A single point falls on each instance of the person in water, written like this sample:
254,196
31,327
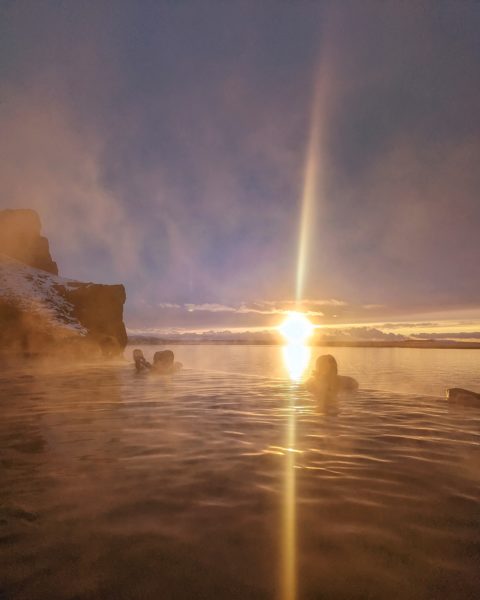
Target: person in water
325,380
141,363
163,362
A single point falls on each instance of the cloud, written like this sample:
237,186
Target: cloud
359,334
208,307
307,302
450,335
407,325
260,308
48,165
400,210
263,336
250,314
163,145
270,336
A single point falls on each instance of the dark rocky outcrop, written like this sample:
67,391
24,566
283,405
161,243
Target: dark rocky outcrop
20,238
463,397
42,314
99,309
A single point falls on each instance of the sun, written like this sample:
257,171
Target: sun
296,328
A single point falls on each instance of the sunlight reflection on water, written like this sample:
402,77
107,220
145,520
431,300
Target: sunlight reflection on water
289,517
297,358
229,481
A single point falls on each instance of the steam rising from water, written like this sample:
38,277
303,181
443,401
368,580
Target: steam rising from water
173,487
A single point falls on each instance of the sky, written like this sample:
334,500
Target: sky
170,146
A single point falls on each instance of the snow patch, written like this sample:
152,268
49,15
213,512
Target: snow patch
39,292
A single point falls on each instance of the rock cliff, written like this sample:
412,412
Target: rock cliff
44,314
20,238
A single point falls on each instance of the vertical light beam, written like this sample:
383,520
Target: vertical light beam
296,358
309,192
289,529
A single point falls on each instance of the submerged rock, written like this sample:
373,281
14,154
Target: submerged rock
43,314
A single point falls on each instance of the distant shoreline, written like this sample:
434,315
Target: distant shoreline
423,344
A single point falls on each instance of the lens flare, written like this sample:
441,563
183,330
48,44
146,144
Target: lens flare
296,328
310,189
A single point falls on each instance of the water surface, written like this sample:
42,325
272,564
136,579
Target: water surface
229,481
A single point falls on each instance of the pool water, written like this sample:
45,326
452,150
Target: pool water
228,480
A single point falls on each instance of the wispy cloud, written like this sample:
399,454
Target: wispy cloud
450,335
407,325
360,334
262,308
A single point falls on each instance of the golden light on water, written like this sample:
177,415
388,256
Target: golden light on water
296,329
289,517
296,359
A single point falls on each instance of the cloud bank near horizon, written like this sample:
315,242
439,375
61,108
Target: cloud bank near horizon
272,336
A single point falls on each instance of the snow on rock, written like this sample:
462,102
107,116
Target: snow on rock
38,292
43,314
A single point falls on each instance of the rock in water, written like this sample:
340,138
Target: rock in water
20,239
461,396
43,314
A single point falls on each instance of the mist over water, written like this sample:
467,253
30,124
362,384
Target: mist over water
411,371
228,163
212,483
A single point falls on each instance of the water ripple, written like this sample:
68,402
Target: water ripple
121,486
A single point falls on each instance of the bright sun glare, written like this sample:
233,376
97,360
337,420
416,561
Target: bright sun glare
296,328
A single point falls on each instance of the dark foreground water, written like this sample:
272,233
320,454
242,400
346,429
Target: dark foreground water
229,481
